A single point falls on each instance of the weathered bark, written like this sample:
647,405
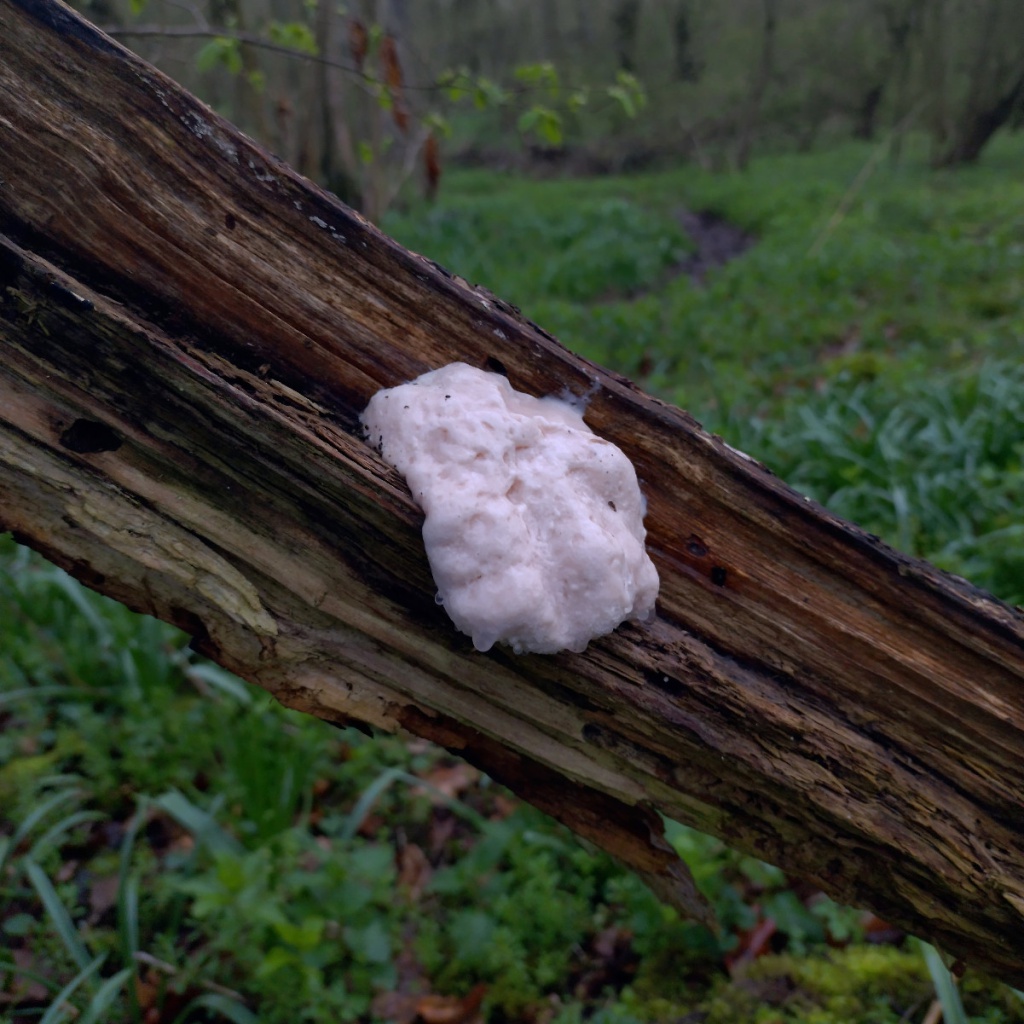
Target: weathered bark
189,331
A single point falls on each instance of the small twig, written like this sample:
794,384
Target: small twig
170,970
191,8
911,1011
934,1014
843,207
249,38
205,31
151,961
698,151
408,166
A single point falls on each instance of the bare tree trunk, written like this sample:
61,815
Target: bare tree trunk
584,31
995,92
189,331
248,100
936,59
339,168
759,83
685,66
626,23
995,85
977,128
866,121
903,19
550,31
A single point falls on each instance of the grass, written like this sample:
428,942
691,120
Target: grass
174,847
915,277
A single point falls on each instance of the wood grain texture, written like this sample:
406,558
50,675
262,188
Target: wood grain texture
189,331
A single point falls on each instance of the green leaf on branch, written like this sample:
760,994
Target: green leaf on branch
222,51
577,100
296,35
624,99
375,36
543,75
629,93
487,93
304,936
456,84
439,124
543,122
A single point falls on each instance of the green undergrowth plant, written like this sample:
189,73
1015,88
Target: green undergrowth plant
933,464
918,273
583,251
38,916
362,868
859,984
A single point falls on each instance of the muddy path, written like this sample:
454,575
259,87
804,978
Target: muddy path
716,242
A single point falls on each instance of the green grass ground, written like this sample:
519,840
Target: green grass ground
174,847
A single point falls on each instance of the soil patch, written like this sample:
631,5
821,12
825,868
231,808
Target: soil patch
716,242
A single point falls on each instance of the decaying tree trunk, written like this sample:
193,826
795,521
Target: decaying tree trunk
189,331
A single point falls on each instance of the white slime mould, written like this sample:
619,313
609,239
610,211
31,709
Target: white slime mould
534,524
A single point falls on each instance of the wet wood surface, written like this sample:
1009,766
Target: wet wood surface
188,333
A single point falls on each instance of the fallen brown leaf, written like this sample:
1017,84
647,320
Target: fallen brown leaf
442,829
102,896
450,780
395,1007
433,1009
23,989
67,870
414,870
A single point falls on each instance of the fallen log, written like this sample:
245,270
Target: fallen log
189,332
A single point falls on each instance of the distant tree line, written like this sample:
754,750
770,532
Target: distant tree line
361,95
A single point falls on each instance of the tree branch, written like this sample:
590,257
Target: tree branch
249,38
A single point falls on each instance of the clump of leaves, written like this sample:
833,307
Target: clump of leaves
592,250
935,465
